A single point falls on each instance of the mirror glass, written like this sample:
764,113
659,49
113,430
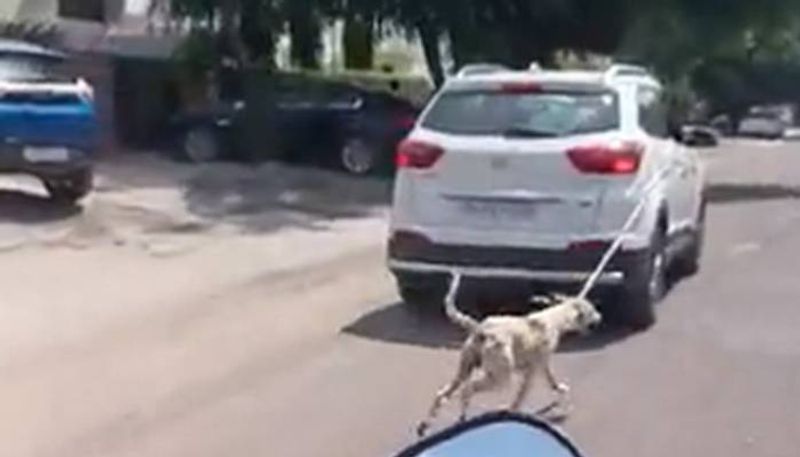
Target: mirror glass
500,439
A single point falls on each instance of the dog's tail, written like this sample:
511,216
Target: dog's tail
453,313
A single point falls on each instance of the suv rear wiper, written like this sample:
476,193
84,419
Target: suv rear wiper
523,132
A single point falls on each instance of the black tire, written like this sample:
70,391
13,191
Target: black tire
358,157
70,189
422,299
645,285
200,145
688,264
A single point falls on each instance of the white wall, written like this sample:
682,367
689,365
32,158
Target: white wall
37,10
137,7
9,9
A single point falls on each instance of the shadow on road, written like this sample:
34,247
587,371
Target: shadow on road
599,339
275,196
27,208
735,193
398,324
257,198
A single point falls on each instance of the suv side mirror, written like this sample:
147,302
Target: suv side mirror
698,136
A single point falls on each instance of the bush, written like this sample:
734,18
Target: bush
416,89
34,32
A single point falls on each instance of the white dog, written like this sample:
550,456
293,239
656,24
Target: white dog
500,346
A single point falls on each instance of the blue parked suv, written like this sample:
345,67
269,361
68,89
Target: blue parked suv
47,122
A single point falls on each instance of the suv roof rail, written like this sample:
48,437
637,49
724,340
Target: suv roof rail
618,70
480,69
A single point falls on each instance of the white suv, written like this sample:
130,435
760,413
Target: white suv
528,176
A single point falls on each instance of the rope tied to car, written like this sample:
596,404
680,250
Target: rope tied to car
624,231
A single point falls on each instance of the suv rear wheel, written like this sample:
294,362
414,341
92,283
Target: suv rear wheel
645,285
688,264
427,299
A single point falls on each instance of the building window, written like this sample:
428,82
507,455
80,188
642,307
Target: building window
87,10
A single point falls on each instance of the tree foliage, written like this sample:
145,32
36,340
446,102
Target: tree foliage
677,38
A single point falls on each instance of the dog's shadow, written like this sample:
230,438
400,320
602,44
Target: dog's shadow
401,324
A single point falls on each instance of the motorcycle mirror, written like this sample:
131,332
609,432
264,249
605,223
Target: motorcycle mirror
503,434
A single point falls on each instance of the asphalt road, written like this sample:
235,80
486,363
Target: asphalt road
321,360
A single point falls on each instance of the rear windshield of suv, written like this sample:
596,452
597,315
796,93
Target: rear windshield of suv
530,115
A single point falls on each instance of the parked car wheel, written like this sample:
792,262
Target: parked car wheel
70,189
200,144
358,157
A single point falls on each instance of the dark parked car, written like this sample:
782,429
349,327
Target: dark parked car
331,125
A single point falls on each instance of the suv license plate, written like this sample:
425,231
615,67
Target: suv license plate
500,211
38,155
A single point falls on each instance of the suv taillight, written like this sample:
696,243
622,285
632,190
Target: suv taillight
417,154
616,158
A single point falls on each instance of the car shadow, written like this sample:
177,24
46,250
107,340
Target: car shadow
28,208
399,324
725,193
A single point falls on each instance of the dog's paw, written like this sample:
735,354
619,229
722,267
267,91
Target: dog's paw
562,388
559,414
422,429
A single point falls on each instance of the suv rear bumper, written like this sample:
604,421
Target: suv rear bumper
548,266
399,267
12,160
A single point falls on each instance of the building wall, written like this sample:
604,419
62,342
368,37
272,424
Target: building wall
38,10
9,9
48,10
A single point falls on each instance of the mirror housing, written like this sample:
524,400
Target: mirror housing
501,433
700,136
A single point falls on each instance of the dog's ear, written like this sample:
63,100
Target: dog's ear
588,312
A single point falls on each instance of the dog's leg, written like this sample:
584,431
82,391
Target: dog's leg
489,381
561,388
524,389
465,367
